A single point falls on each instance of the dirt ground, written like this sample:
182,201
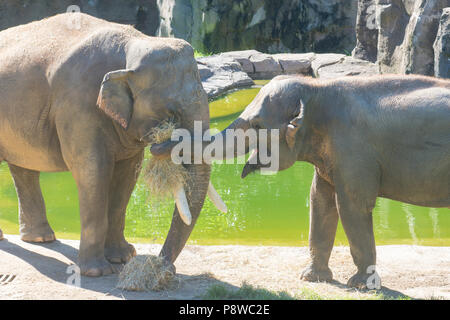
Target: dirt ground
38,271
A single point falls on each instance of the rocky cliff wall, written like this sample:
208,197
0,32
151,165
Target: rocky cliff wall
143,14
216,25
264,25
404,36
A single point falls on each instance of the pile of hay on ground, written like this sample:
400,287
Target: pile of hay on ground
163,177
146,273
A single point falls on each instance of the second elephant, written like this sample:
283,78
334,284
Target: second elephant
383,136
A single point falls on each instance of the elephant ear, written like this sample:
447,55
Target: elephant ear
115,97
293,126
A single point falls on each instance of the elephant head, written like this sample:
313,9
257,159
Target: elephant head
279,105
159,82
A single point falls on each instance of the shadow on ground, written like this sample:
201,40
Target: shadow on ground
384,291
40,271
43,261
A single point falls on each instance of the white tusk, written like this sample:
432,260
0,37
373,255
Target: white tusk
216,199
183,206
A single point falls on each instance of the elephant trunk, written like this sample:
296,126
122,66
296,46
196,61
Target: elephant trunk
179,231
198,187
190,200
229,148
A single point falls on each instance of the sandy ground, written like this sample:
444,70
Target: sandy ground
38,271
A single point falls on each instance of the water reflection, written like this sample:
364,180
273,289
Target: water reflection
434,216
411,223
383,210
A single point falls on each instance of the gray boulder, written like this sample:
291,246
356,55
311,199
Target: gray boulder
220,74
243,57
324,60
236,69
264,66
348,66
442,47
295,63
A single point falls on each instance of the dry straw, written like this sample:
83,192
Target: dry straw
163,177
146,273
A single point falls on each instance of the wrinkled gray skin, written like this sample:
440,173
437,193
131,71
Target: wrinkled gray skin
371,137
367,138
82,100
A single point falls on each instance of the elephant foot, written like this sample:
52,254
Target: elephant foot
1,234
170,267
42,234
363,281
97,268
314,274
119,253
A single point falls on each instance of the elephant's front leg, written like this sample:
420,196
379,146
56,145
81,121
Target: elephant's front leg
322,229
126,172
33,222
93,176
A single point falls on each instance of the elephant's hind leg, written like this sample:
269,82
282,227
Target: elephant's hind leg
33,222
126,172
356,194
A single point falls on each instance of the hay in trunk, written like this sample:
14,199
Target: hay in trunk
163,177
147,273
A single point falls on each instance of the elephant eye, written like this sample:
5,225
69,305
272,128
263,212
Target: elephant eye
295,114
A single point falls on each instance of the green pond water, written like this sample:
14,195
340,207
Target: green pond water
262,210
